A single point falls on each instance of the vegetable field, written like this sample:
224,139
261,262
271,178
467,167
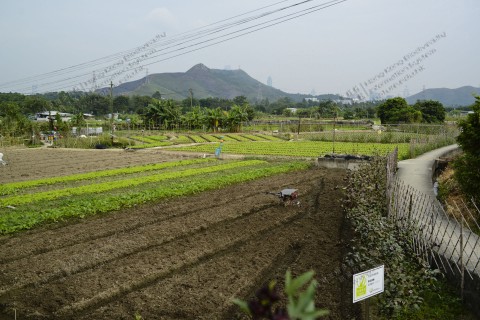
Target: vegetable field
26,204
166,238
151,141
310,149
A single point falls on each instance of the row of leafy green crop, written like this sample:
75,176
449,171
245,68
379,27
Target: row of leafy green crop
25,218
210,138
253,137
127,183
238,137
154,141
197,138
302,148
111,179
149,139
181,139
143,187
11,188
269,138
150,142
370,137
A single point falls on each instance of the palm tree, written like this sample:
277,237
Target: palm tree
163,113
236,116
195,118
215,118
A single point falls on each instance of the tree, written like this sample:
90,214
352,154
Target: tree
236,116
397,110
34,104
195,118
138,104
432,111
215,118
188,103
240,100
326,109
121,104
93,102
287,112
171,113
163,113
66,101
278,106
12,121
467,167
78,120
215,102
303,112
250,112
157,95
348,115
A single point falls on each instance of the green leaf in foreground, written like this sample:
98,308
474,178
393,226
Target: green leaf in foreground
301,304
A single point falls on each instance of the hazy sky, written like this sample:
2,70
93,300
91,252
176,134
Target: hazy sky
332,50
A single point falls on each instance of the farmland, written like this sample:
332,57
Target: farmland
180,237
99,195
309,149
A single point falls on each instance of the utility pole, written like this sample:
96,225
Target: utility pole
334,123
111,108
191,98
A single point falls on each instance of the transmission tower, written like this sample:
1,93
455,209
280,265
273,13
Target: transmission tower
94,82
259,93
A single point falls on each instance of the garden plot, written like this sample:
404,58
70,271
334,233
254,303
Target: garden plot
26,164
181,258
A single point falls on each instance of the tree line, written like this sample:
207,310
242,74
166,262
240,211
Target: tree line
210,113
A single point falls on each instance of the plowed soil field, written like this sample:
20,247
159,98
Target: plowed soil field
184,258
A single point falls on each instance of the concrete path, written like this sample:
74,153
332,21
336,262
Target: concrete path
418,172
442,231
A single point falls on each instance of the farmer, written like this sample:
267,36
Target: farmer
218,151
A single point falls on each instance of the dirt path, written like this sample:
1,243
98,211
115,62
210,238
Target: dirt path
181,259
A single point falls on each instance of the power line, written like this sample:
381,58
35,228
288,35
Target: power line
181,44
245,31
115,56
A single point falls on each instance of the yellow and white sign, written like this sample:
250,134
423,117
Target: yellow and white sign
368,283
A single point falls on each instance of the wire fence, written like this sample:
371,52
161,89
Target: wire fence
443,240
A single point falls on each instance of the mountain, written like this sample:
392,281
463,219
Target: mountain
462,96
205,82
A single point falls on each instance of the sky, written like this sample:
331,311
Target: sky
385,47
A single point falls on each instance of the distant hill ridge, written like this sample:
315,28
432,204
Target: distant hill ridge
463,96
205,82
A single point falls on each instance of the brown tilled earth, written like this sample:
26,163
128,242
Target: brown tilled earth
185,258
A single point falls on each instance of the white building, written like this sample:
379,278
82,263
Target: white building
47,115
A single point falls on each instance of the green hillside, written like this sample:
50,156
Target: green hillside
204,82
462,96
